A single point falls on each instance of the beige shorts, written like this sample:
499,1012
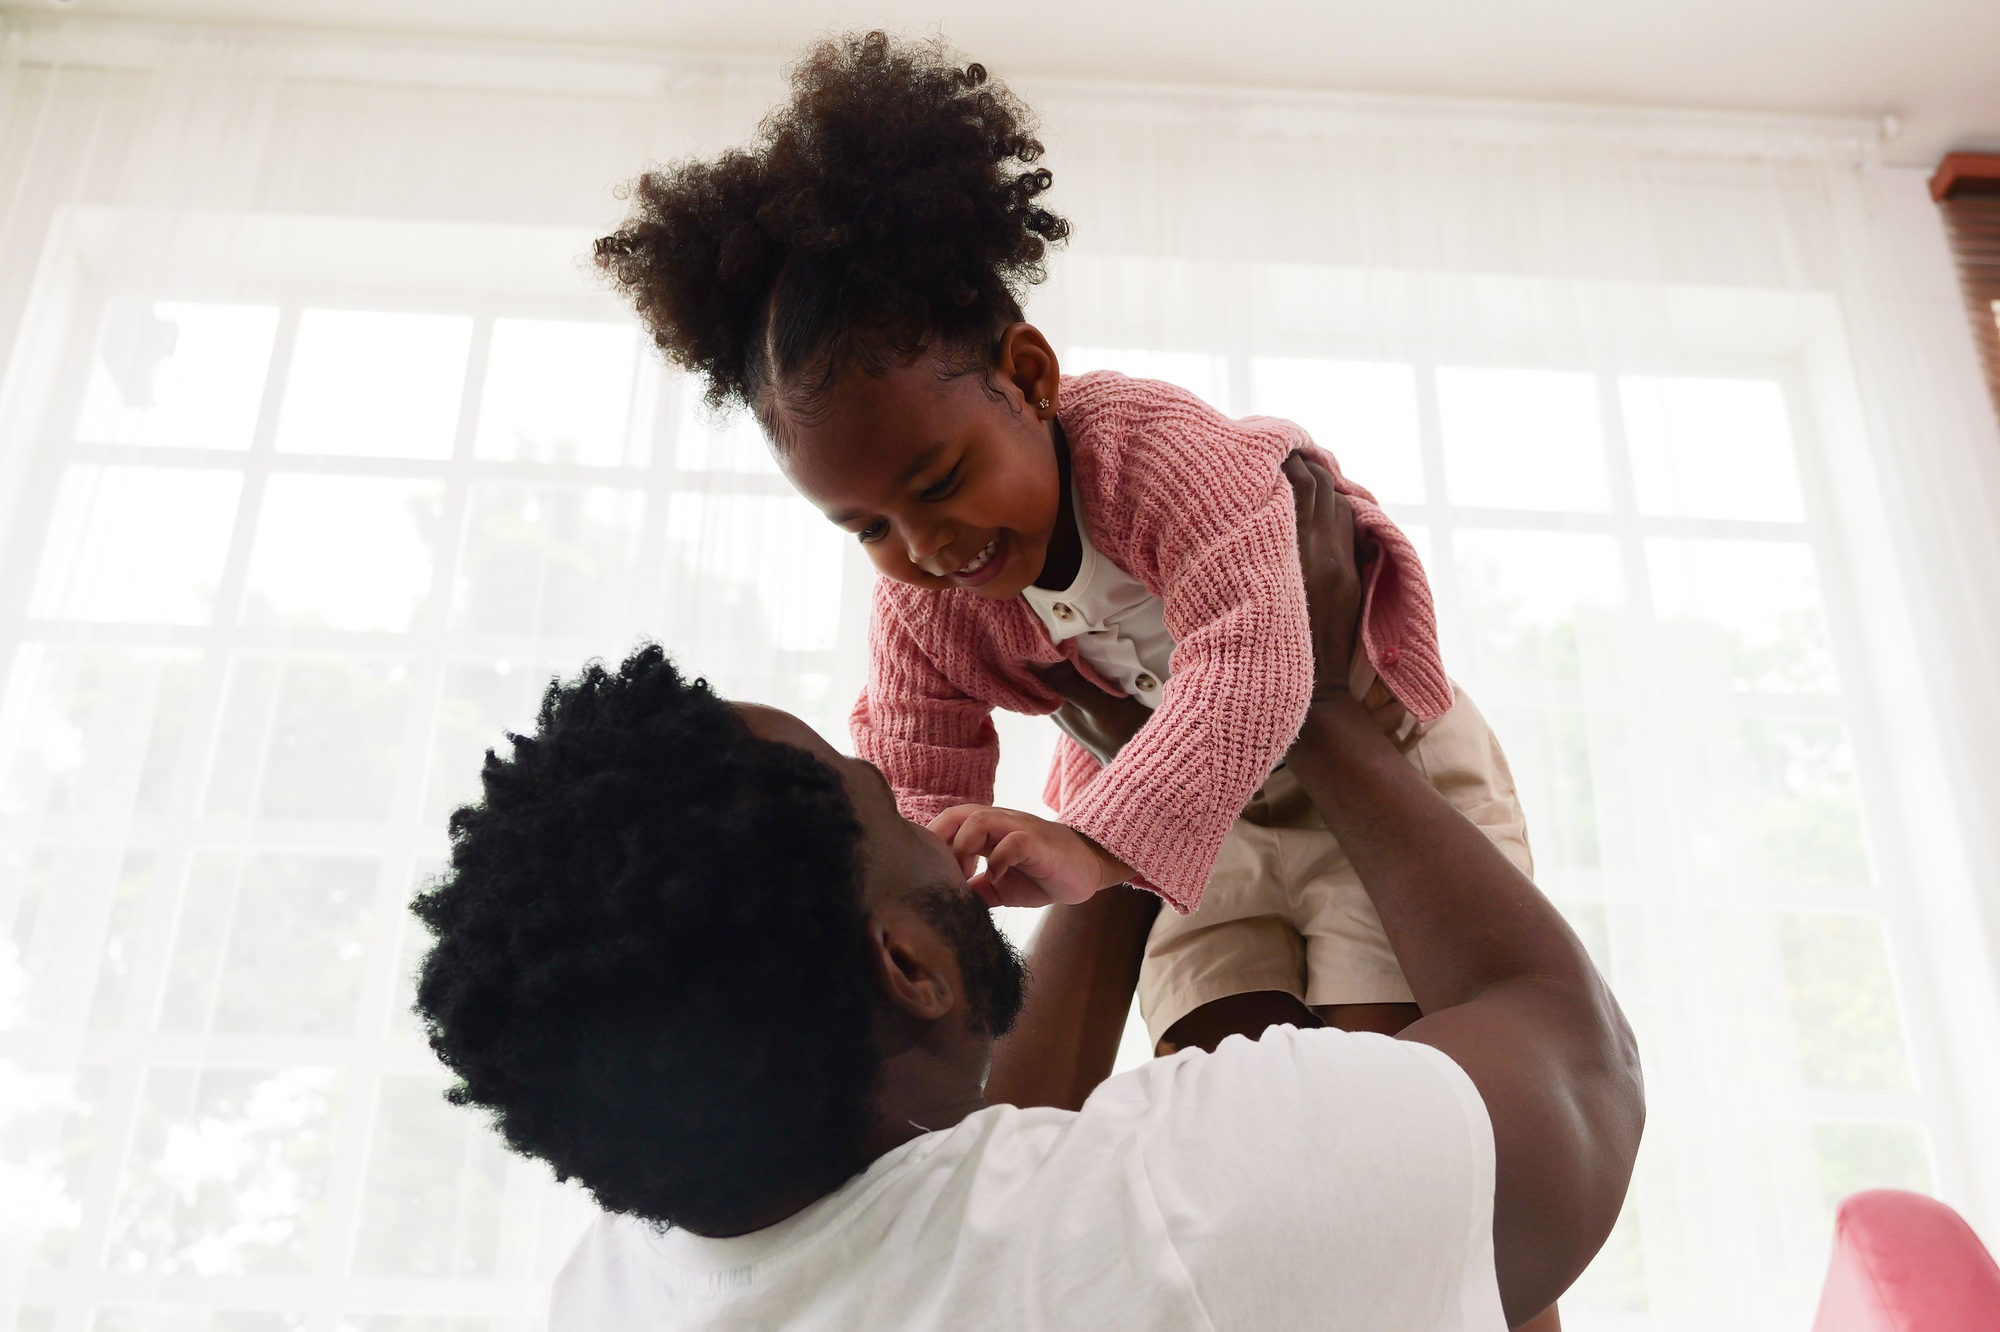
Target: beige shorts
1284,910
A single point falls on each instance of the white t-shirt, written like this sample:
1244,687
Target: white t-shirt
1313,1179
1123,627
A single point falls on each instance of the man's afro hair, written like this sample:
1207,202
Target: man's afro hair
890,206
649,960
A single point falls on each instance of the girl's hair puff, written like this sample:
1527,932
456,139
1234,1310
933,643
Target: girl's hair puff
890,207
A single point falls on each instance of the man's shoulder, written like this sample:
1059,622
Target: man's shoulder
1304,1151
964,1227
1167,1201
1366,1074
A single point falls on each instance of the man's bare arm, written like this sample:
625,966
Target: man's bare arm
1083,963
1506,987
1082,968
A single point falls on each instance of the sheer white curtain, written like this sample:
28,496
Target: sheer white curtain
320,450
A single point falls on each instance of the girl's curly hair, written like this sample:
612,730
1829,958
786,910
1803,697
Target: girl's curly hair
891,206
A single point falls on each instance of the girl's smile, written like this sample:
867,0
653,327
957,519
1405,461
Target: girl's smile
983,567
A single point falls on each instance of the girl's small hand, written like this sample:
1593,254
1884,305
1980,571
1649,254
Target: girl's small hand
1030,862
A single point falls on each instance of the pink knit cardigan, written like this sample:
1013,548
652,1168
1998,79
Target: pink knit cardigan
1194,506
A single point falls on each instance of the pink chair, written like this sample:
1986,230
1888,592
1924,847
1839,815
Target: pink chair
1906,1263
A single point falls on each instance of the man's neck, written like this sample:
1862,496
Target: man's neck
922,1090
895,1122
924,1086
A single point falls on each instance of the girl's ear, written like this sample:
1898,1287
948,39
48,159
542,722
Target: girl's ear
1028,363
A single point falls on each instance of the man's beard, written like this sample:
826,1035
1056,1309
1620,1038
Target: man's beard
996,980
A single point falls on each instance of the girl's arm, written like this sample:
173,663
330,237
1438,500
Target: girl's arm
935,745
1242,667
1241,677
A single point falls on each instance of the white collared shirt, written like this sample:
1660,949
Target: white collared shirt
1123,627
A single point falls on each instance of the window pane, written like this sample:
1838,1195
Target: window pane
1549,750
707,440
1797,1172
130,898
270,944
342,552
136,543
480,702
49,1131
1844,1006
431,1200
308,739
1711,448
1546,607
1200,373
1362,412
1770,800
547,559
559,391
56,902
226,1173
363,382
1746,614
94,730
775,557
1853,1157
178,375
1522,439
1812,1002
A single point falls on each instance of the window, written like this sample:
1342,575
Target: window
265,624
296,559
1638,582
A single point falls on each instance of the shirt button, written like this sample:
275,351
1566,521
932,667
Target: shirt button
1145,683
1063,611
1392,656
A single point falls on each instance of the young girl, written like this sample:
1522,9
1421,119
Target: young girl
852,278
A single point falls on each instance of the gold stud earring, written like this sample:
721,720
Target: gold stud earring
1043,404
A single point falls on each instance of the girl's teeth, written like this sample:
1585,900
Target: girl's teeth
978,562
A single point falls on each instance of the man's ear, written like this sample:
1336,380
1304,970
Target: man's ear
1028,362
914,967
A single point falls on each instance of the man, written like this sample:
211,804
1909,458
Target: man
690,955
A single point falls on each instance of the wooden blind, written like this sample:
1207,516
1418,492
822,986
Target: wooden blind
1967,188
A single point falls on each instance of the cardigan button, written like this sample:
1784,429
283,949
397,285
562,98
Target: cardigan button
1063,611
1392,657
1145,683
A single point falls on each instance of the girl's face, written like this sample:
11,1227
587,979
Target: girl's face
943,484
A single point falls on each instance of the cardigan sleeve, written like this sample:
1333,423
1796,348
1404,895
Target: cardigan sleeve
1239,684
935,745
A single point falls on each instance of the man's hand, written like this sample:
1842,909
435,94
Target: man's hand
1332,565
1030,862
